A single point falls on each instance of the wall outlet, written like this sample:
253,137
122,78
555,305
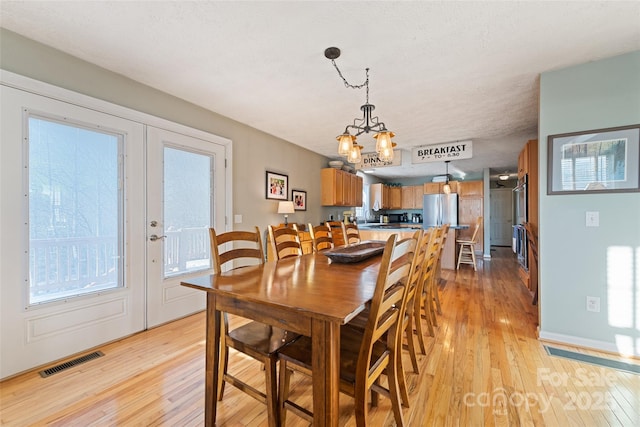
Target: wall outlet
592,219
593,304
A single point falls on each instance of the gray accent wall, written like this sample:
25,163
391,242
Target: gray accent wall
578,261
253,152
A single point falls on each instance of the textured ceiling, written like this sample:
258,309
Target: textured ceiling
439,71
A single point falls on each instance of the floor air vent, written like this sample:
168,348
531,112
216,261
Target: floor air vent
71,363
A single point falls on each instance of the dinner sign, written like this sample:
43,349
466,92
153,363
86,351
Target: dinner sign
442,152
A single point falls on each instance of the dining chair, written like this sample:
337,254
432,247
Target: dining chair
444,233
337,232
351,233
321,237
415,279
467,254
364,357
422,256
285,241
255,339
429,278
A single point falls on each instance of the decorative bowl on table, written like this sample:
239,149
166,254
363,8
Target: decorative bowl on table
357,252
336,164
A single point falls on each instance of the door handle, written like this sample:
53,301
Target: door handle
154,237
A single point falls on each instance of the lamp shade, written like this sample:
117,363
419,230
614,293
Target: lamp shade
383,140
345,142
285,208
355,155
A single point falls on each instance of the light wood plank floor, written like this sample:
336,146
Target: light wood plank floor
483,367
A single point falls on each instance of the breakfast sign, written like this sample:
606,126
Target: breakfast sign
442,152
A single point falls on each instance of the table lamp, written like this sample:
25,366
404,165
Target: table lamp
285,208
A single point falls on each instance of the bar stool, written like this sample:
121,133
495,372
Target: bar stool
467,253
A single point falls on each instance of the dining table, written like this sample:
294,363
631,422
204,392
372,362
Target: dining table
311,294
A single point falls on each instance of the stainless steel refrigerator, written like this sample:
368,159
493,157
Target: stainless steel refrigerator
440,209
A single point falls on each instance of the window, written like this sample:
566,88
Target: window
75,205
187,182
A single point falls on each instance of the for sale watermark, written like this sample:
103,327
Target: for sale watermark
577,398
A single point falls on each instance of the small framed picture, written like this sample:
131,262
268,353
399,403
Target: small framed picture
594,161
299,199
277,186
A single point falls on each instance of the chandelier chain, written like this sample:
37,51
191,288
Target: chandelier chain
349,85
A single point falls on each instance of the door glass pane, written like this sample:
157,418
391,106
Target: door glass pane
187,211
75,210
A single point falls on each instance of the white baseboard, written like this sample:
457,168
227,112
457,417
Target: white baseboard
585,343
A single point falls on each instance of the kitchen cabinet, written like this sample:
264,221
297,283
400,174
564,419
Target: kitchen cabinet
407,197
523,161
471,188
432,188
379,196
449,252
528,165
395,197
470,207
437,187
412,196
340,188
418,199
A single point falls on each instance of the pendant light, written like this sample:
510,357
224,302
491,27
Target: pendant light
368,123
447,188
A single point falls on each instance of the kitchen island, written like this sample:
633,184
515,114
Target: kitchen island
382,231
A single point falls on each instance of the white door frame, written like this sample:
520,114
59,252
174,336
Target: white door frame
14,316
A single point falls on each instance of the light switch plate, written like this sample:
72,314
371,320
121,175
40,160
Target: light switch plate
593,219
237,219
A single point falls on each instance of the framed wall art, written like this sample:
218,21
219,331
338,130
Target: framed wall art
277,186
594,161
299,198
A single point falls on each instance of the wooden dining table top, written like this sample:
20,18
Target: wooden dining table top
311,285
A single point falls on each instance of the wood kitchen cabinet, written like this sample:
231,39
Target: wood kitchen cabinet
379,196
528,166
470,207
437,187
412,196
395,197
523,160
340,188
471,188
432,188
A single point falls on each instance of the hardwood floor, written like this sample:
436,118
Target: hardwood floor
484,366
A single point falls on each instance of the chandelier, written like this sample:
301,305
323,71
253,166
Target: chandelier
347,145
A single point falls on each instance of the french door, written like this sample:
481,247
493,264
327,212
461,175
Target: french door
72,227
185,196
101,216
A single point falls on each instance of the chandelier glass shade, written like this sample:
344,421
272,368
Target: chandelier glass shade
346,141
447,188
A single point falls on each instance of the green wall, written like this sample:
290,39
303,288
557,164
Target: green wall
254,151
578,261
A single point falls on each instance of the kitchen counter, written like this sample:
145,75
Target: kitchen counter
401,226
377,231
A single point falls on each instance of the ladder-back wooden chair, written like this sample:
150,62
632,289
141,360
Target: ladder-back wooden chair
285,241
363,355
351,233
254,339
422,258
321,237
444,233
337,232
